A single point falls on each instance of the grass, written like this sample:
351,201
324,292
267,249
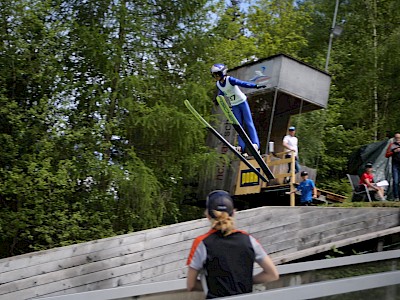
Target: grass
366,204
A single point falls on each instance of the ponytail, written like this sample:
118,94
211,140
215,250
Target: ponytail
223,222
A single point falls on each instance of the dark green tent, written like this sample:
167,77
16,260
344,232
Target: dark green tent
374,153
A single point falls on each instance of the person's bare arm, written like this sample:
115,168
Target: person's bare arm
269,273
315,193
370,185
286,145
292,192
192,283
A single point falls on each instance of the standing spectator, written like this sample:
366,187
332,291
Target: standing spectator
290,142
367,178
229,86
393,151
227,255
307,189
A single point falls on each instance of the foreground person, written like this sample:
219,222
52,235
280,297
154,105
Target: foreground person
226,255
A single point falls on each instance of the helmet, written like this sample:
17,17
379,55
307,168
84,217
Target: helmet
219,69
219,200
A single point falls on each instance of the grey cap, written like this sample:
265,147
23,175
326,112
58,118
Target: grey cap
292,128
219,200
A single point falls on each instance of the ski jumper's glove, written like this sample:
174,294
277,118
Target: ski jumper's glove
260,86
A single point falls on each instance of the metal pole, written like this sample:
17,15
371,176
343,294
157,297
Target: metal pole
331,36
271,120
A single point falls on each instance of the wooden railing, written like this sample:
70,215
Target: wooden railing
291,175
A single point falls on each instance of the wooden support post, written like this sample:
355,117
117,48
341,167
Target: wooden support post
380,244
292,179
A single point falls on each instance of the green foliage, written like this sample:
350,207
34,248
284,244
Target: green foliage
95,138
278,27
334,252
360,92
350,204
72,168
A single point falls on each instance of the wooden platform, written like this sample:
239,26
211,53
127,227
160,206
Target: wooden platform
287,233
330,197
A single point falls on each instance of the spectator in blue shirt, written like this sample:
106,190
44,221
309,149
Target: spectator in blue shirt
307,189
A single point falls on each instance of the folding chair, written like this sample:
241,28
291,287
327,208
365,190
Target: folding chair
360,191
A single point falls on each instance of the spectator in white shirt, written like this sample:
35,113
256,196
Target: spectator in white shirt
290,142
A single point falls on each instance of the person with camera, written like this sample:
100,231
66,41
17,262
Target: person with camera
393,151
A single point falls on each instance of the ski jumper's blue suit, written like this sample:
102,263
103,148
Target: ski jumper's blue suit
240,107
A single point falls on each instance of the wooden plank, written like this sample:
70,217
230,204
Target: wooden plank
110,255
268,220
114,264
178,256
283,175
38,289
284,245
283,161
283,226
362,216
354,231
269,242
74,261
41,257
321,215
281,253
328,192
331,196
67,252
150,245
175,228
336,228
326,247
82,271
158,252
351,234
344,216
179,274
267,230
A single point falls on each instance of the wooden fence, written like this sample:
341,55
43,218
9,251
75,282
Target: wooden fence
160,254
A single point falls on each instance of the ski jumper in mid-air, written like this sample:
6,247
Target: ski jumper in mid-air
229,87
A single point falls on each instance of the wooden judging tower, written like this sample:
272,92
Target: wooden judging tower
292,87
